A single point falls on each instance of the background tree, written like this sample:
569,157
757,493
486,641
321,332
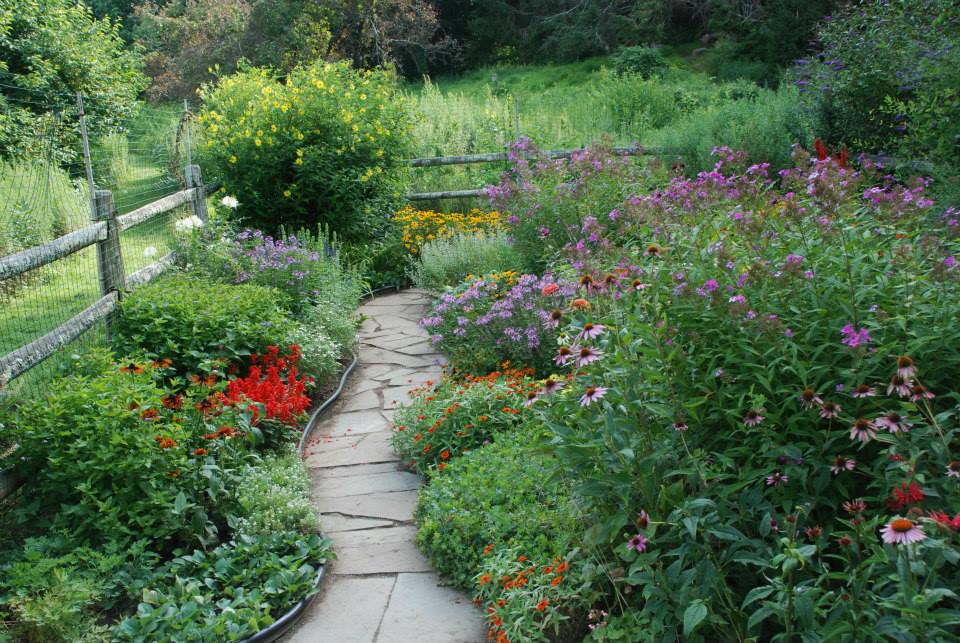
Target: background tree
51,49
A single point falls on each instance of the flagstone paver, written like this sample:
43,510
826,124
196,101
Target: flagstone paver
380,589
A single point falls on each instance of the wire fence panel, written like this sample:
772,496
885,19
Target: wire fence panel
67,174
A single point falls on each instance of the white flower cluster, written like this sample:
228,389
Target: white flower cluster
230,202
320,353
186,225
275,496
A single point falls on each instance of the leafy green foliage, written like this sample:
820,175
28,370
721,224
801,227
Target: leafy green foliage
191,321
229,593
322,147
644,61
499,495
887,77
52,589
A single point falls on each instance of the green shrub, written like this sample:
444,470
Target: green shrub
274,496
446,262
449,418
644,61
499,495
323,146
226,594
888,72
191,321
94,460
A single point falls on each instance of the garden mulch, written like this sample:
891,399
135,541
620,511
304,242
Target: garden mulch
380,589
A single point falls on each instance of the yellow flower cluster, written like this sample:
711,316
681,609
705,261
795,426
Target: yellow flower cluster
421,226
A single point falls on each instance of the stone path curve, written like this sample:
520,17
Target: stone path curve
380,589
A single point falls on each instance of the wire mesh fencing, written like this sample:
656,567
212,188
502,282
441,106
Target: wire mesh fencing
79,222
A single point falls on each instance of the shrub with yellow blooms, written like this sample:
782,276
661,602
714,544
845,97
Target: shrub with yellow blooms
324,145
418,227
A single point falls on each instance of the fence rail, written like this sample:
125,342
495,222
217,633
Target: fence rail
494,157
104,233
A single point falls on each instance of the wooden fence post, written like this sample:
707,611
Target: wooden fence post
198,202
109,257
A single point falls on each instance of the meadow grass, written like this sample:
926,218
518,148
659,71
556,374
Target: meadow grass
682,113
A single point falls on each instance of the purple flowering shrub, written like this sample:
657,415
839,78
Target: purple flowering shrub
547,200
501,317
761,414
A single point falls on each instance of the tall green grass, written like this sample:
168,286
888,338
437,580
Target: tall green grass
681,112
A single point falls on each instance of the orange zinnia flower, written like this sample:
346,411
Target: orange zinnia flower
580,304
165,442
201,451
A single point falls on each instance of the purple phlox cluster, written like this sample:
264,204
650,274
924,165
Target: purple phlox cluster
854,338
709,287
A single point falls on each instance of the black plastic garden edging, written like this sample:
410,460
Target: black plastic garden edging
290,618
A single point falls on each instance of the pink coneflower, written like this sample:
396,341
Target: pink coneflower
844,541
809,398
592,394
553,320
531,398
592,331
777,479
902,531
551,386
899,384
841,463
953,469
920,392
905,367
563,356
813,532
753,418
680,427
857,506
830,410
863,390
587,355
863,430
638,543
893,422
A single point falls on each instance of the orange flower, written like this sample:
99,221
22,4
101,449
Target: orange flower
484,579
173,402
556,581
228,431
132,368
542,605
549,289
562,567
165,442
488,549
442,466
149,414
201,451
210,380
580,304
445,455
417,437
483,418
166,362
521,559
426,449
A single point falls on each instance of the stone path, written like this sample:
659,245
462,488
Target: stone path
380,589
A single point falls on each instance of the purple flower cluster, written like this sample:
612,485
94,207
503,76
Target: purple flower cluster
515,317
